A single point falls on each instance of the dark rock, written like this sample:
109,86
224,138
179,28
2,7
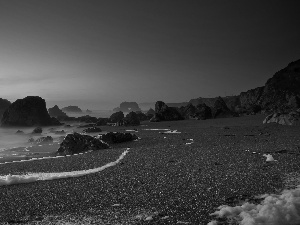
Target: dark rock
220,109
55,122
56,112
72,109
128,107
37,130
102,121
92,130
76,143
203,112
19,132
141,116
251,97
117,137
165,113
116,117
59,132
189,111
88,111
29,111
4,104
44,140
131,119
150,112
30,140
292,118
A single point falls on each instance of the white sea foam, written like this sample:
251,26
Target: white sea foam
32,177
172,132
281,209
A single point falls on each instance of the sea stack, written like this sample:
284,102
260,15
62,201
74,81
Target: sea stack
29,111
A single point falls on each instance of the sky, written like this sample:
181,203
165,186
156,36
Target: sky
97,54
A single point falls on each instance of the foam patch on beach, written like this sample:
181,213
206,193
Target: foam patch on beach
32,177
281,209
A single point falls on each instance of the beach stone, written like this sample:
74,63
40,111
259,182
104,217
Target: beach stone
37,130
91,130
28,111
76,143
44,140
117,137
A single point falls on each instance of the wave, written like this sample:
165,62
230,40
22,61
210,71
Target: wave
32,177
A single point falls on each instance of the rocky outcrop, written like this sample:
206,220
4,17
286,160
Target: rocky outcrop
117,137
72,109
165,113
203,112
142,116
128,107
220,109
4,104
76,143
281,92
189,111
29,111
292,118
56,112
116,117
131,119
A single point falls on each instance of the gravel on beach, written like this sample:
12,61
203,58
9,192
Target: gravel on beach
176,178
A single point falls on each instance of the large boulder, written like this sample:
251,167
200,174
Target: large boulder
116,117
76,143
165,113
220,109
292,118
188,112
29,111
56,112
117,137
131,119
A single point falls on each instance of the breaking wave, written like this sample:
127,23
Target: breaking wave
32,177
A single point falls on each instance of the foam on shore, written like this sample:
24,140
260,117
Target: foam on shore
281,209
32,177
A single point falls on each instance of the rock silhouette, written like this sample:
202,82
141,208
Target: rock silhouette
29,111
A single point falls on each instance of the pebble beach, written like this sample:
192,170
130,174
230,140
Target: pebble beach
165,178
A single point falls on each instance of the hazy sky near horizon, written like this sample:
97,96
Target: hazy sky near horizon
96,54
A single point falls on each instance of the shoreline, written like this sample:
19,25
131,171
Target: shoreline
162,176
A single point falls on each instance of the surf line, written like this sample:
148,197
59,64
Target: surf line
32,177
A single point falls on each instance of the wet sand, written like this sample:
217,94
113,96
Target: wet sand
162,180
